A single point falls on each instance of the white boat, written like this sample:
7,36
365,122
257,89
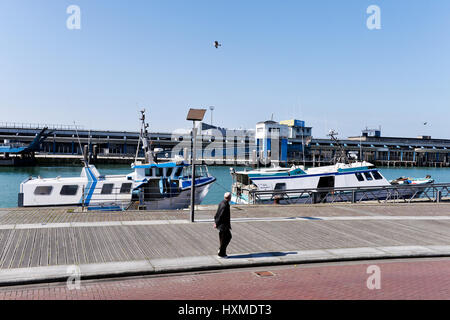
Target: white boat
280,180
151,185
415,181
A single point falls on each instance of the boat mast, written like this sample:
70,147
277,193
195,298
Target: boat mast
85,160
146,141
342,157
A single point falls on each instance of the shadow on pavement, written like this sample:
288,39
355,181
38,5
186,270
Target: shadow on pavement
261,255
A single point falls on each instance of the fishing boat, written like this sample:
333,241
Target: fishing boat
280,185
152,185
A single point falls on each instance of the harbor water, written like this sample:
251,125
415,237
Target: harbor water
11,177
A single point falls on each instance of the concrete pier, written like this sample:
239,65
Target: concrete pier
41,244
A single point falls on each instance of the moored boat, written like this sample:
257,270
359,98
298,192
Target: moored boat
295,184
416,181
152,185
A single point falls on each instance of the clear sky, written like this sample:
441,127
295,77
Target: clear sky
312,60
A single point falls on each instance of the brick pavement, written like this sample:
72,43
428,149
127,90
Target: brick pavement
407,279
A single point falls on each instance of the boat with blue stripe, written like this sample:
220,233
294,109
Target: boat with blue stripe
358,174
152,185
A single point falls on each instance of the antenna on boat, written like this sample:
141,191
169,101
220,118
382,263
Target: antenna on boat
360,149
343,157
137,148
85,160
303,149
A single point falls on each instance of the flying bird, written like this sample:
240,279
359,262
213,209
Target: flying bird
217,44
425,123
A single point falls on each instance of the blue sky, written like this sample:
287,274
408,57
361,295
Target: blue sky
313,60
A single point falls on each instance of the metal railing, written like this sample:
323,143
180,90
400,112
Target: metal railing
20,125
103,201
145,199
396,193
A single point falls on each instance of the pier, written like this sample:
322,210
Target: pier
43,244
220,146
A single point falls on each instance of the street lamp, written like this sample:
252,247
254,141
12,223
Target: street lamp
194,115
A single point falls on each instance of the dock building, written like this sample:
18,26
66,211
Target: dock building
295,144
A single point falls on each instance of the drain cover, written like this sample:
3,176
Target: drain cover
264,273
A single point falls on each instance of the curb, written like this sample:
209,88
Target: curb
24,276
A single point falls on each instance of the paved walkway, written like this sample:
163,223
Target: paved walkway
397,279
44,244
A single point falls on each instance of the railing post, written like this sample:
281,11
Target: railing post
438,196
353,196
82,200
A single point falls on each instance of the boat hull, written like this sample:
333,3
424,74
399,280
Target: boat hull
318,197
180,201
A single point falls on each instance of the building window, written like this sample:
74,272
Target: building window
125,188
69,190
359,176
43,190
107,188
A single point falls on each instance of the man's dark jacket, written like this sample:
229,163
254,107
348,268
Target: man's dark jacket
222,217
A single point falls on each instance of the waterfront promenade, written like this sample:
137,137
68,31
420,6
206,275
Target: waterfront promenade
42,245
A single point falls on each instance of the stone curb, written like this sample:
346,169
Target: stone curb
23,276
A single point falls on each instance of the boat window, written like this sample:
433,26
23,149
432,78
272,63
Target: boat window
107,188
43,190
125,188
199,171
326,182
187,171
377,175
368,176
159,172
359,176
169,172
148,172
280,186
179,171
69,190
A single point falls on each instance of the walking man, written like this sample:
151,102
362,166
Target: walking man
223,224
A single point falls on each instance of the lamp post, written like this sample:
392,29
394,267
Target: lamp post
212,109
194,115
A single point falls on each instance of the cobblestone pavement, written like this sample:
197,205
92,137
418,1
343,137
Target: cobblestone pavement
399,279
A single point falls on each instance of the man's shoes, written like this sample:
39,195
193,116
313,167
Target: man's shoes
222,256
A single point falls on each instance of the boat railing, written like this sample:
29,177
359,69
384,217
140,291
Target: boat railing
435,192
